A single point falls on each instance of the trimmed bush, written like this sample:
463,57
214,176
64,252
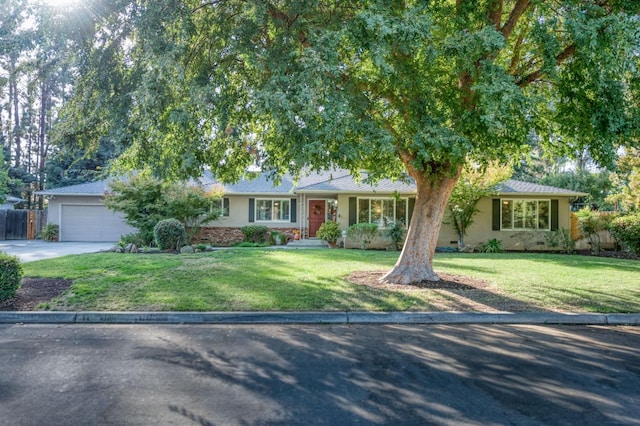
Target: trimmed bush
329,231
170,234
258,234
626,230
10,276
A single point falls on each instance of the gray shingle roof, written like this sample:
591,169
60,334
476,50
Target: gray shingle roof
83,189
518,187
328,181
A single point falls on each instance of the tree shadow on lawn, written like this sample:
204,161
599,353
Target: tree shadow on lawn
452,293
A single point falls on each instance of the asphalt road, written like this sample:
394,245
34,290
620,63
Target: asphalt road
336,375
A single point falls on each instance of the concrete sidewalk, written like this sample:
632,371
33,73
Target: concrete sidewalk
556,318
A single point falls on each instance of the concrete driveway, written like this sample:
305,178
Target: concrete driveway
30,250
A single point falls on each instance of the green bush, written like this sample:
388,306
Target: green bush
258,234
278,238
492,246
560,240
591,223
10,276
395,233
329,231
626,230
170,234
50,232
362,233
134,238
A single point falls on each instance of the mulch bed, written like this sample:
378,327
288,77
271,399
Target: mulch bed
35,291
447,282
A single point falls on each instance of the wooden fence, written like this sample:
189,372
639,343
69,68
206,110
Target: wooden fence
606,240
21,224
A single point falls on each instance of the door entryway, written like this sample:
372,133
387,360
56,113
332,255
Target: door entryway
317,215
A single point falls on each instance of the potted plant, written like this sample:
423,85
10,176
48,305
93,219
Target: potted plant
329,231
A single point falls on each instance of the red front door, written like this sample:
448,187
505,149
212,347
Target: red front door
316,216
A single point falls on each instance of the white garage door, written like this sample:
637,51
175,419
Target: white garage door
91,223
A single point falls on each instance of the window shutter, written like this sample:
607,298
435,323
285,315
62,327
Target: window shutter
412,205
495,215
252,209
554,215
353,210
294,212
225,207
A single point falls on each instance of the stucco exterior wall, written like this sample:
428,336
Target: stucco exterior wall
239,213
481,230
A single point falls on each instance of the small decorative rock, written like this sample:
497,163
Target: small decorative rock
116,249
186,249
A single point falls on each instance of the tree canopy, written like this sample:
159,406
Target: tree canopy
395,88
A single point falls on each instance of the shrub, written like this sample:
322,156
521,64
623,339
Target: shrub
626,230
560,240
492,246
170,234
362,233
10,276
258,234
395,233
50,232
133,238
526,239
277,238
591,223
329,231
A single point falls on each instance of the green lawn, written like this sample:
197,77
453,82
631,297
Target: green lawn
313,280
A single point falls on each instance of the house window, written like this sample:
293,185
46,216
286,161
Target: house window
273,210
383,211
525,214
222,205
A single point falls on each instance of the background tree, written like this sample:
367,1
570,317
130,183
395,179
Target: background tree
474,184
4,184
396,88
626,181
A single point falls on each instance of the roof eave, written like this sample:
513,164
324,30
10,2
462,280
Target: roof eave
543,194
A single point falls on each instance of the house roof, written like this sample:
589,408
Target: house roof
98,187
14,200
336,181
517,187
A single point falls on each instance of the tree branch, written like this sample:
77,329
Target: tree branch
567,53
518,10
494,13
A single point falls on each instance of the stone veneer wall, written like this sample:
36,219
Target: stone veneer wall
228,236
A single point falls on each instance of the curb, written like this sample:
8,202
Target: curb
541,318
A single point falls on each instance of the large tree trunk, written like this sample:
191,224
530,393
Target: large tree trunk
416,260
